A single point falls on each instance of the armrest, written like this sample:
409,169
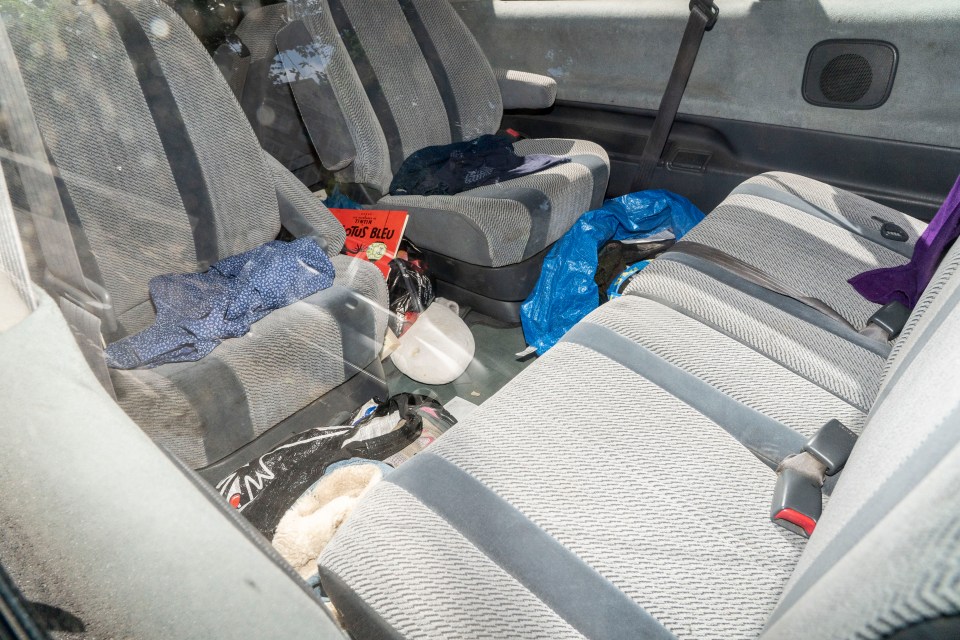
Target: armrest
522,90
305,69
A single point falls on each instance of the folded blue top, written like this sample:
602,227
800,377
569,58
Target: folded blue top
196,311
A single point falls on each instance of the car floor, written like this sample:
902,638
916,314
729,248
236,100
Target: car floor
494,364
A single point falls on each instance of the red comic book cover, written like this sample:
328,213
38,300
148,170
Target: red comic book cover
372,234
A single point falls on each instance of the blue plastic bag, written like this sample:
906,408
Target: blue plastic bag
566,291
337,200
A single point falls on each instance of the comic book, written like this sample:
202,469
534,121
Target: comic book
372,234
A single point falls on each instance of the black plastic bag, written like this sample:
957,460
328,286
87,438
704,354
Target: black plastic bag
411,291
263,489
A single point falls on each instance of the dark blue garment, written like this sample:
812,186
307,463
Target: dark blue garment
196,311
449,169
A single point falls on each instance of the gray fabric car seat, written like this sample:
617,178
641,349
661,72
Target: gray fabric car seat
160,173
807,234
378,81
649,517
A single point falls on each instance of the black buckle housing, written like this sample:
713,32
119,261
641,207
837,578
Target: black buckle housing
832,445
708,9
797,502
891,317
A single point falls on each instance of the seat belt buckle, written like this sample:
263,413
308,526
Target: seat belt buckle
831,445
891,318
797,502
709,10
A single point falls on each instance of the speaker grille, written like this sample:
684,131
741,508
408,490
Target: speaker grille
846,78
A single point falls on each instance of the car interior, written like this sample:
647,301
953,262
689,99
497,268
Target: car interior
753,438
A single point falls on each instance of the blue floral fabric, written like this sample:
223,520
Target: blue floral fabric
196,311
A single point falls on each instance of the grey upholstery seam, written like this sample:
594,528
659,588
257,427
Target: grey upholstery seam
795,202
718,329
174,137
769,440
911,472
574,590
88,261
784,303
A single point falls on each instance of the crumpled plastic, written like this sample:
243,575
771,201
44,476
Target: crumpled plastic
566,291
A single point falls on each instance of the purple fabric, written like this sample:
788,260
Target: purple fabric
906,283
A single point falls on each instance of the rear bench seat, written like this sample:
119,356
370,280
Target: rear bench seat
620,487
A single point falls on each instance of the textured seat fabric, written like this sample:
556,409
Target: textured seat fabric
407,74
614,495
810,236
623,481
161,173
836,359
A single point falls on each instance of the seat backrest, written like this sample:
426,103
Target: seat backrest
160,170
267,100
886,553
408,74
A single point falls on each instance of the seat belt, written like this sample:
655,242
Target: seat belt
798,497
85,305
703,15
884,325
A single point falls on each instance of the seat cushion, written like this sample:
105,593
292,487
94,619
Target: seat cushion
597,458
673,344
204,410
607,491
834,358
505,223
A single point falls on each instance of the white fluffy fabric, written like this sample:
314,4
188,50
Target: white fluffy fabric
308,526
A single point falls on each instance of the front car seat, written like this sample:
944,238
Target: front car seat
377,81
160,173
